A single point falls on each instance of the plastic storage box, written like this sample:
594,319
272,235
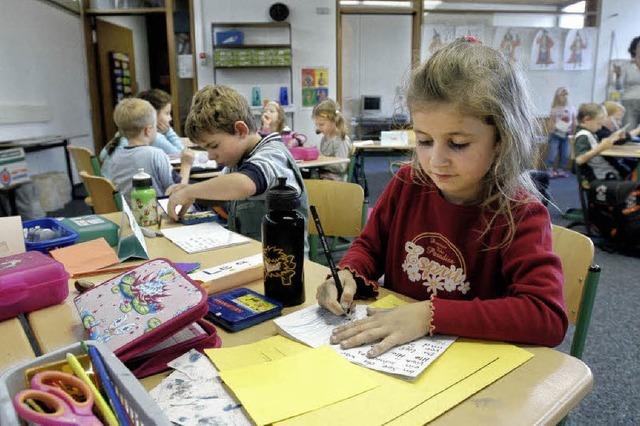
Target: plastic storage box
305,153
30,281
62,236
92,227
140,407
230,38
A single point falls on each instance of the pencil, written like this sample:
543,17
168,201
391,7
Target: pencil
107,414
325,248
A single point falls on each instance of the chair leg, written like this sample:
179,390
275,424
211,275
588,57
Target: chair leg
586,306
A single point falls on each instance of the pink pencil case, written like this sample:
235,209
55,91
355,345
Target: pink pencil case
148,316
30,281
305,153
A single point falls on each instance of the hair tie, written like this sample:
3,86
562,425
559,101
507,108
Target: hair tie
471,39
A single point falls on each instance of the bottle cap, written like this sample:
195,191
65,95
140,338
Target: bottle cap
283,197
142,179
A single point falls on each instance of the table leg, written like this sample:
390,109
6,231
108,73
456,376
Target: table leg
67,158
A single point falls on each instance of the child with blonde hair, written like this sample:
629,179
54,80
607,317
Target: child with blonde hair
221,122
331,124
136,121
460,230
272,118
562,122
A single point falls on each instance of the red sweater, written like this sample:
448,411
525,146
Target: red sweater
426,246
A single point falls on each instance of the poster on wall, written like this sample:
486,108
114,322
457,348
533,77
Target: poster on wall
578,49
315,85
475,30
119,73
545,50
509,41
435,37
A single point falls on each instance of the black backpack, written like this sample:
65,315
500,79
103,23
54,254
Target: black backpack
614,209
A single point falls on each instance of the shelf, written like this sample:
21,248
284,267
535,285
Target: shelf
226,67
252,24
252,46
130,11
287,109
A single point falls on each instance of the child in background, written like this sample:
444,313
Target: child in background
330,123
136,121
221,122
615,112
460,229
272,118
562,122
166,138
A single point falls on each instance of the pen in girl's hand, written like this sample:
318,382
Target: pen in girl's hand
327,253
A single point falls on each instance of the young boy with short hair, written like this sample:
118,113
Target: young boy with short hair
136,120
221,122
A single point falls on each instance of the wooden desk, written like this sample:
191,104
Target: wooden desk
15,345
322,161
629,150
542,390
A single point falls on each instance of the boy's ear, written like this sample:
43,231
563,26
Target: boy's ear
241,129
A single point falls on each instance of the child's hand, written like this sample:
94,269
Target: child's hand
391,327
187,157
178,197
327,294
607,143
266,121
163,127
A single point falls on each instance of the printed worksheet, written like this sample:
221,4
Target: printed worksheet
313,326
203,237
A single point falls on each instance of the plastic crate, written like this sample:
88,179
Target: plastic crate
140,407
66,238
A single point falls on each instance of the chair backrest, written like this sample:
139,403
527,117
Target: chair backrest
102,191
339,206
576,253
85,160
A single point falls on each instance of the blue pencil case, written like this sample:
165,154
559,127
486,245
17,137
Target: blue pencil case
241,308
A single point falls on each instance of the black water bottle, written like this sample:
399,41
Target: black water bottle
283,245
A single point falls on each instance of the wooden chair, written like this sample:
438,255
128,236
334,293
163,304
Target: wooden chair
103,193
85,161
340,207
580,281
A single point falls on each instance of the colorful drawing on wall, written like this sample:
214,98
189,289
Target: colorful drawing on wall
509,41
476,31
578,49
434,37
545,50
315,85
120,76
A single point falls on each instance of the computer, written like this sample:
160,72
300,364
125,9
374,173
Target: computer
370,105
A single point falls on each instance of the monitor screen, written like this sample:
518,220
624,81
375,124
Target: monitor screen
370,103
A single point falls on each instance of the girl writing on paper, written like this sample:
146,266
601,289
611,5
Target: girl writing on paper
460,230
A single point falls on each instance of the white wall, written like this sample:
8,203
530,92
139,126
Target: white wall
42,62
138,26
376,60
621,16
313,41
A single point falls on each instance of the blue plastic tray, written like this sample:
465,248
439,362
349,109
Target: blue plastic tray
66,238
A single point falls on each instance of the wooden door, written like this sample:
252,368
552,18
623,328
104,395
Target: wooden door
112,38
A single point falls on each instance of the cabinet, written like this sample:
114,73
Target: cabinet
255,59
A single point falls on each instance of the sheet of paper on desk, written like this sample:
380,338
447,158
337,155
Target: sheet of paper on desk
313,326
11,236
203,237
296,384
228,268
194,394
269,349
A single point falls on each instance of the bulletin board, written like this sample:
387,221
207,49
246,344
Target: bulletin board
120,76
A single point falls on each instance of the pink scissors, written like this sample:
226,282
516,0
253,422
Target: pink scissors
56,399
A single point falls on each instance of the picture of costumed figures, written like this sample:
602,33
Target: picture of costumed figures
578,49
508,42
435,37
545,50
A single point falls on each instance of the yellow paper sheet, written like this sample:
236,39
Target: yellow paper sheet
464,369
388,302
269,349
296,384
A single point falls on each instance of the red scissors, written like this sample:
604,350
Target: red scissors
56,399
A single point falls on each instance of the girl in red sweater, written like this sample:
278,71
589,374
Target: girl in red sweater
461,229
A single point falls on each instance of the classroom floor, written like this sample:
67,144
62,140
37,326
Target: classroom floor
612,351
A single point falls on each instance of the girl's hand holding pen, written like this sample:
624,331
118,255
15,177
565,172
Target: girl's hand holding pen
389,327
178,197
327,294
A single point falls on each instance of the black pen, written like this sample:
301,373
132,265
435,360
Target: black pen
325,248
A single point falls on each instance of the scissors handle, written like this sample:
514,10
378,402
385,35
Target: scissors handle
47,409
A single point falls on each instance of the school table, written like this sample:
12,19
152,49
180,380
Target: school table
14,346
364,149
542,390
627,150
